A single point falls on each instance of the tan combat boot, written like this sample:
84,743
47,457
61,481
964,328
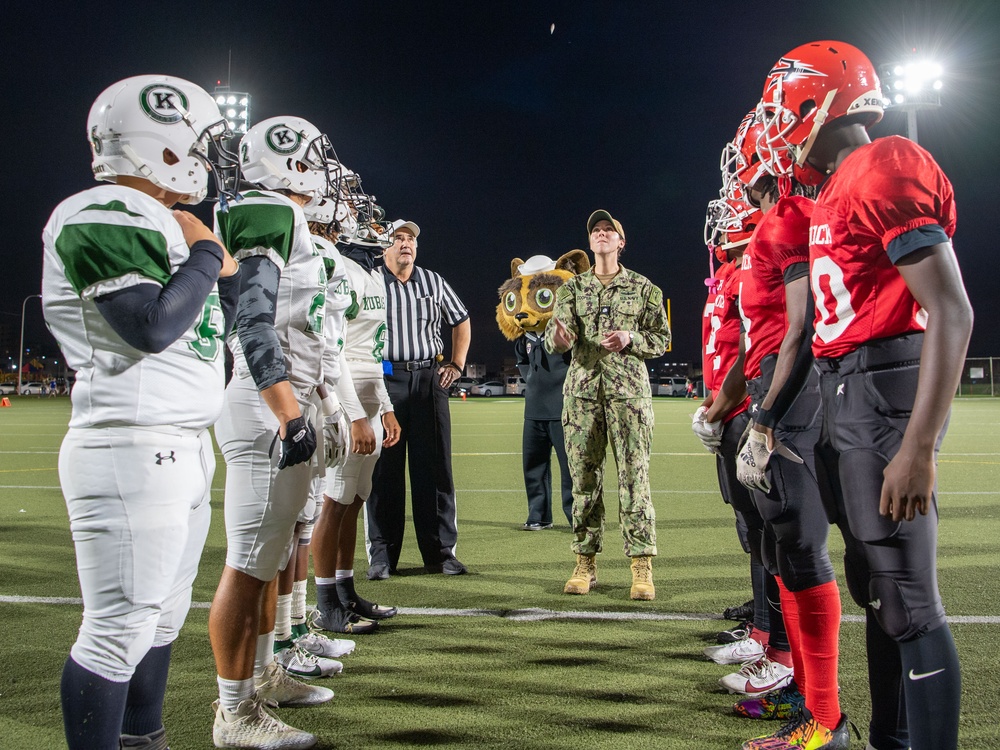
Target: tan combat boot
642,578
584,576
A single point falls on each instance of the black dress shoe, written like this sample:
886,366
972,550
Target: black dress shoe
452,567
378,572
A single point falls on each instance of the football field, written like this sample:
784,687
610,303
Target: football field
500,658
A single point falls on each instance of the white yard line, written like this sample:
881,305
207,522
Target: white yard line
526,615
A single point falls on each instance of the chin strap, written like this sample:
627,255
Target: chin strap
818,119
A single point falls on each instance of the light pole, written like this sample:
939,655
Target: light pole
911,85
20,351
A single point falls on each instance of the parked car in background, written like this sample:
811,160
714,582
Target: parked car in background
671,387
462,385
492,388
516,386
8,389
34,389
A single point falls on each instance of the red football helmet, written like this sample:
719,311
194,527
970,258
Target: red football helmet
729,223
740,163
809,86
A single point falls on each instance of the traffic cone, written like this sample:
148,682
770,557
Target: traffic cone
4,402
463,396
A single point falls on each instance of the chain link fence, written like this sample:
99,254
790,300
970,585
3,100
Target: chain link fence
979,377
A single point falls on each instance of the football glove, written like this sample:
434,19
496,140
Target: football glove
709,433
336,438
299,443
753,456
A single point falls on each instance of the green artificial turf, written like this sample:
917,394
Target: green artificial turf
500,658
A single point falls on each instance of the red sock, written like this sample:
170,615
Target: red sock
784,658
790,615
761,637
819,630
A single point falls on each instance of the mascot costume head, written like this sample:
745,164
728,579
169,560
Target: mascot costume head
529,296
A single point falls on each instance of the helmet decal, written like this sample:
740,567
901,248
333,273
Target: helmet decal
282,139
788,69
163,103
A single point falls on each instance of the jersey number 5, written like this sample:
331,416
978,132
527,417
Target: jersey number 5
209,330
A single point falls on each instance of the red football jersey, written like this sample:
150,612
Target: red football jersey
880,192
781,240
710,325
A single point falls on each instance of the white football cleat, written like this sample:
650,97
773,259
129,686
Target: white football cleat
303,665
251,725
738,652
275,686
755,678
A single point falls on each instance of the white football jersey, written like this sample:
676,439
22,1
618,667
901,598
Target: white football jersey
102,240
270,225
338,300
366,322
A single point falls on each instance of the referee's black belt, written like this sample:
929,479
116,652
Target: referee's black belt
420,364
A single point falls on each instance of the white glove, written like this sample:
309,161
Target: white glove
336,439
709,433
753,456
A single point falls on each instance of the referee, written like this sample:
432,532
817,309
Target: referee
417,301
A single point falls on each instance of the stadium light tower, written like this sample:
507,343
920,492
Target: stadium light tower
235,107
910,85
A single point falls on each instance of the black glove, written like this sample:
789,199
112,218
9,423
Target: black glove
298,444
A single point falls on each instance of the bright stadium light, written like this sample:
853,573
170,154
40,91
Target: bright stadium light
911,85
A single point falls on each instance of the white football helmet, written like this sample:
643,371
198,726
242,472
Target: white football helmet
361,219
289,153
159,128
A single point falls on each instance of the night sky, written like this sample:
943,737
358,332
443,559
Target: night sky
497,135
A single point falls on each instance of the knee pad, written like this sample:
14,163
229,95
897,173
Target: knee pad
804,568
856,574
755,542
769,553
887,602
862,480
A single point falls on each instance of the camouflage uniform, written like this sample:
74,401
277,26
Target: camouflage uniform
607,395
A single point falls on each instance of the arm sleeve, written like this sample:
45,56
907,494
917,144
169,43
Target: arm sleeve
384,402
346,394
229,297
255,321
916,239
151,318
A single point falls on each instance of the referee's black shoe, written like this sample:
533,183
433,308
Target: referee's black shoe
450,567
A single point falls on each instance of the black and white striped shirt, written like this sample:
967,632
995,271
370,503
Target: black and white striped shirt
414,312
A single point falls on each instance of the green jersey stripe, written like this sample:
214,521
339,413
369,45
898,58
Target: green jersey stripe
265,229
111,206
92,253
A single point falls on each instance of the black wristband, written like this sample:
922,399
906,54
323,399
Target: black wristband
461,370
765,418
